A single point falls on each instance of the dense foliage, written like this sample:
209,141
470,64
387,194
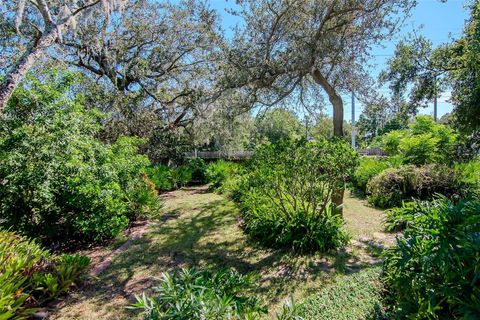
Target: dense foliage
167,178
194,294
57,180
275,125
432,271
288,202
392,186
422,143
368,168
227,177
30,275
399,217
469,176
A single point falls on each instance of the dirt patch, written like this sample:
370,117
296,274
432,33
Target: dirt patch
103,261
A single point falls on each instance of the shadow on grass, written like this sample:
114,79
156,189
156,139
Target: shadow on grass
204,233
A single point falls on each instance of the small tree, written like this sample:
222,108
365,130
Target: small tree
303,49
420,72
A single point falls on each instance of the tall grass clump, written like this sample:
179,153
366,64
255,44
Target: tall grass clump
288,201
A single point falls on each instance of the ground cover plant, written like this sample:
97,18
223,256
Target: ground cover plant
60,182
196,294
288,201
357,297
432,271
31,276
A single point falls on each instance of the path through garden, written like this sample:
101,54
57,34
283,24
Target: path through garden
200,228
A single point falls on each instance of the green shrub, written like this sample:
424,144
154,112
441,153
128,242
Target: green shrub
57,181
422,143
392,186
368,168
165,178
192,294
160,175
30,275
181,176
432,271
220,171
198,168
420,149
354,297
398,218
469,176
288,198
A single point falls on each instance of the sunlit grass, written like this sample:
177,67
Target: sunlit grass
200,228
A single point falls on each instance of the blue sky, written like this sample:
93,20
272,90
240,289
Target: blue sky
433,19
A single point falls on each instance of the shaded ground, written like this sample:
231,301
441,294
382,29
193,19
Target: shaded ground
199,228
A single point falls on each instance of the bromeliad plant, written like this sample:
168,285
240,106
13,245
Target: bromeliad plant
194,294
289,199
30,275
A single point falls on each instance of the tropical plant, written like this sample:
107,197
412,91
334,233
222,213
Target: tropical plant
432,271
220,171
31,276
399,217
198,167
201,294
161,177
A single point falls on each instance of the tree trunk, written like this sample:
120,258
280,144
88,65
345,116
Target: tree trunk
337,103
26,62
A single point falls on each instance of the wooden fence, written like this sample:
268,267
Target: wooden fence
241,155
372,152
236,155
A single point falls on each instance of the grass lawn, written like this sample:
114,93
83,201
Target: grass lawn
199,228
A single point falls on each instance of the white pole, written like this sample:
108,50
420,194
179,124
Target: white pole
435,103
353,120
